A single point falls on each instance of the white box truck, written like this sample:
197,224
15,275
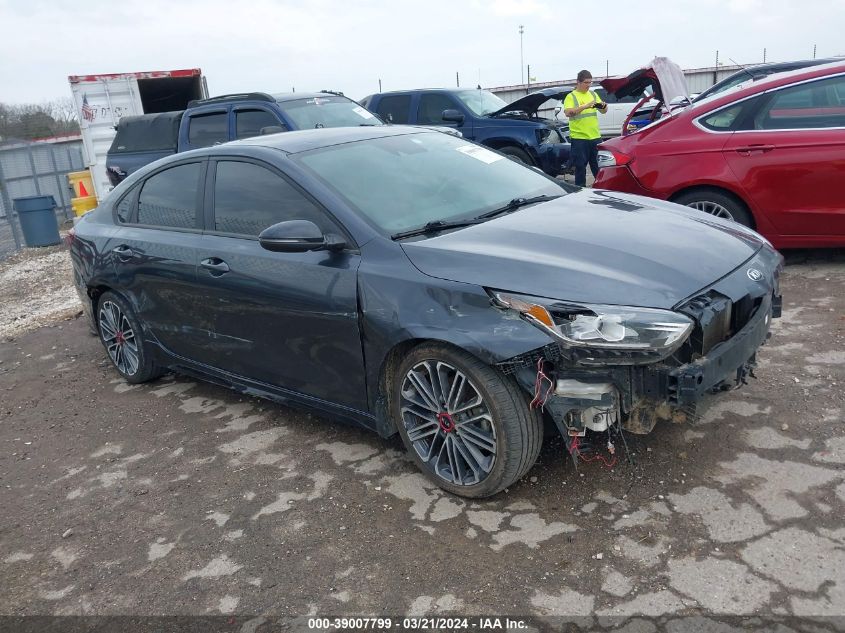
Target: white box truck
102,99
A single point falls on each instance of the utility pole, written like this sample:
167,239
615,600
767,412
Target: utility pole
814,51
529,78
379,85
716,72
764,55
457,79
607,68
521,66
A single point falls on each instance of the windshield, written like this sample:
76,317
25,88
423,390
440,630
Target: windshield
405,182
481,102
328,111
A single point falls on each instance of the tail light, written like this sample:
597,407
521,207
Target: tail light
70,236
613,158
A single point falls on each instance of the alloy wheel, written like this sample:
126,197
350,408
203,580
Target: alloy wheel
712,208
119,338
448,423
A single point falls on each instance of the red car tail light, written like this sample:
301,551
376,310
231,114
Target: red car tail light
613,158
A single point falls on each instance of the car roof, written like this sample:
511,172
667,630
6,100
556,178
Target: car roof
773,67
763,84
293,96
402,92
304,140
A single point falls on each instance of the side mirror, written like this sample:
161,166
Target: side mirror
298,236
453,116
272,129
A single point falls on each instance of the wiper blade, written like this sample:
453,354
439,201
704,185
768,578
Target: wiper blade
434,227
515,204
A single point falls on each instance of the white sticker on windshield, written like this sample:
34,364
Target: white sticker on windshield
479,153
361,112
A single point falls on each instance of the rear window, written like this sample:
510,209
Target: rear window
149,132
723,119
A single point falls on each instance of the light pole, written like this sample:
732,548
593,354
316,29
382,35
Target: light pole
521,64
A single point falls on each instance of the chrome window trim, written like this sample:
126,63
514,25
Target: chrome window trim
697,120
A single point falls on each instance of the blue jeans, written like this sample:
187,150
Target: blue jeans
584,151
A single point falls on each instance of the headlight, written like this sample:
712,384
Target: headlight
602,326
544,135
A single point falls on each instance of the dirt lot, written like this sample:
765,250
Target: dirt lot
179,497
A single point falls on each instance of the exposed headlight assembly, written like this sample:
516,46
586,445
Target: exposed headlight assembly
547,135
603,327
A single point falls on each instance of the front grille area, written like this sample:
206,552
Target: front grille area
717,319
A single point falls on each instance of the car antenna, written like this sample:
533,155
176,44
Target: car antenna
744,69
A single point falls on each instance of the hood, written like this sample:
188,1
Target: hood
592,247
531,103
662,76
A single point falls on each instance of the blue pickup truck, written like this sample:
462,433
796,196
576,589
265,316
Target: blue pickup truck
514,129
142,139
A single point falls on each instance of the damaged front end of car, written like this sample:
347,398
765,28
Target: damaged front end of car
624,367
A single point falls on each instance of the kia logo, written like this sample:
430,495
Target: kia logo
754,274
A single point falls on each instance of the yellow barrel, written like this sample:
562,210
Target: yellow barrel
83,205
82,184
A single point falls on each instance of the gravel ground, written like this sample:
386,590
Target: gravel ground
180,497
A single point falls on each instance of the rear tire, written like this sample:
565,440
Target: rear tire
717,203
122,336
466,426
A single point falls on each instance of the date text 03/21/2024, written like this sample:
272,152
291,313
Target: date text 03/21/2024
417,623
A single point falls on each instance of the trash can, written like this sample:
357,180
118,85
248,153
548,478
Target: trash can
37,216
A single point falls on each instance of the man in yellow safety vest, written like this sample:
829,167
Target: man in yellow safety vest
581,106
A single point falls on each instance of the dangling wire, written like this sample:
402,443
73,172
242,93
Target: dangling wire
541,396
575,450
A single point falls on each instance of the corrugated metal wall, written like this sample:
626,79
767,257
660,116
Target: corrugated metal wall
35,169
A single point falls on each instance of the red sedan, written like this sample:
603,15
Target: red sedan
769,154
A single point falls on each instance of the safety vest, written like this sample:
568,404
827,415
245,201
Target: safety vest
586,124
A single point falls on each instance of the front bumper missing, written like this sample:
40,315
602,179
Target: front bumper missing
728,361
640,395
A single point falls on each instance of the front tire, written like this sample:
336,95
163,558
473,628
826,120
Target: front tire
717,203
122,336
520,156
466,426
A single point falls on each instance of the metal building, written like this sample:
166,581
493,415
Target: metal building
698,80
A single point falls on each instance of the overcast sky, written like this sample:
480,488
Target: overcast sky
274,45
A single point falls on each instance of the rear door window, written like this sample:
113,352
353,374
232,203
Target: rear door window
205,130
169,198
250,122
810,105
395,108
248,198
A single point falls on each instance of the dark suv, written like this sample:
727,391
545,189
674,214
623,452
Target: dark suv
514,129
142,139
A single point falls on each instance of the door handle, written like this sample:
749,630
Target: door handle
215,265
123,252
747,149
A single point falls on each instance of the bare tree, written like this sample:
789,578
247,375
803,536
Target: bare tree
30,121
